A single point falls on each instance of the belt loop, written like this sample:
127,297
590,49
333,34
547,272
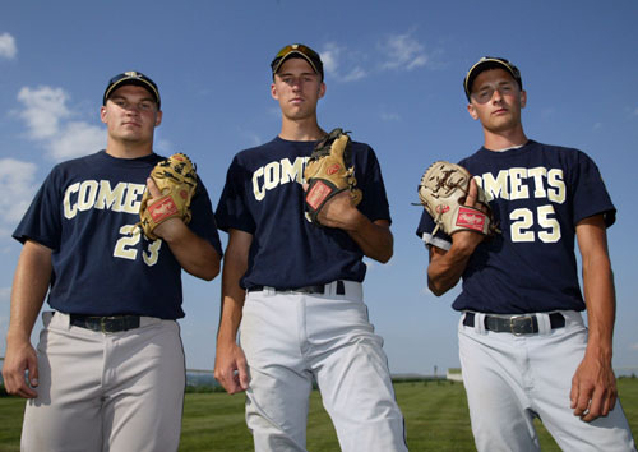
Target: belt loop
544,325
58,319
341,288
270,291
479,323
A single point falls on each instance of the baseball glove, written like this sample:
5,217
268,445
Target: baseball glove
176,180
443,190
329,172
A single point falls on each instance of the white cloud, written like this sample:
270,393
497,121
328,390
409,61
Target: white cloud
355,74
403,52
43,109
335,57
77,139
8,48
390,116
163,146
17,187
46,114
329,56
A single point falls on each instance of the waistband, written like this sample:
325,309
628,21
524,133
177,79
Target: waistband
333,288
518,324
106,324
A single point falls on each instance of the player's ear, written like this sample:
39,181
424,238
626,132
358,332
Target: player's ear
158,118
273,91
472,111
103,114
523,98
322,89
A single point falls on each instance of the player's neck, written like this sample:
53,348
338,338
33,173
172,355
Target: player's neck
301,130
505,139
127,149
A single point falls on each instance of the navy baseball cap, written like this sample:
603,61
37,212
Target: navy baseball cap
298,51
132,78
488,62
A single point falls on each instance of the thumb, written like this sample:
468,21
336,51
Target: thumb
573,394
32,366
244,378
152,188
470,200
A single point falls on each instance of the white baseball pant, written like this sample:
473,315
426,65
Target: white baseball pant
118,392
289,338
510,379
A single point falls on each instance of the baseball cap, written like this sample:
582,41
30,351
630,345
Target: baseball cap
488,62
298,51
132,78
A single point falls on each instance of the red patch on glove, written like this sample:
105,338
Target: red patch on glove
471,219
162,208
317,194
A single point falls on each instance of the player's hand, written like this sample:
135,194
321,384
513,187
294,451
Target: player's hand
170,228
469,240
339,212
20,357
230,369
594,389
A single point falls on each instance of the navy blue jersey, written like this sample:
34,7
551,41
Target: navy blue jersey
264,197
85,213
538,195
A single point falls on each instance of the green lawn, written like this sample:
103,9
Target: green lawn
436,416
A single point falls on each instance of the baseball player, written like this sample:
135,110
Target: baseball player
294,288
523,347
108,373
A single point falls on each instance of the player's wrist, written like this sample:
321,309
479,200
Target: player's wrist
172,230
464,243
17,338
599,352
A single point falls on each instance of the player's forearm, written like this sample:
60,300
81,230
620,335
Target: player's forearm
195,255
374,238
601,305
233,296
597,286
30,285
446,268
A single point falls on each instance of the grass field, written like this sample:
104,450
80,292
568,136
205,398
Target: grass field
436,415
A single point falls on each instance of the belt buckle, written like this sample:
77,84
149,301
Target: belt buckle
104,324
109,324
520,325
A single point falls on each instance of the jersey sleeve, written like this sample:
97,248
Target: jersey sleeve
42,222
590,196
374,204
203,219
424,231
232,211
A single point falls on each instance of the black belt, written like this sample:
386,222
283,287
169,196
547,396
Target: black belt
520,324
110,324
319,289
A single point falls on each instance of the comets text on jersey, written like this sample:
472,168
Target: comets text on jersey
93,194
277,173
524,183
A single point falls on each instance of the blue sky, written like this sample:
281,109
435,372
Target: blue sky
394,75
